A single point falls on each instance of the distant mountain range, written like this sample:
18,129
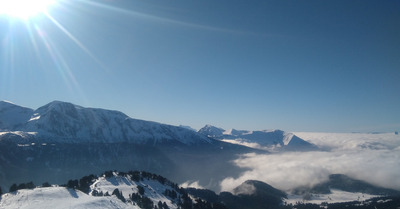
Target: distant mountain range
63,122
61,140
267,139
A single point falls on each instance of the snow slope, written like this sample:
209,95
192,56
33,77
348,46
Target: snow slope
100,194
152,189
58,197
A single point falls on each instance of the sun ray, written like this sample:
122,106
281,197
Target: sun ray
162,19
33,40
62,66
8,62
76,41
17,44
8,49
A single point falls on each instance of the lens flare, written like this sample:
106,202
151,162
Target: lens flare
24,9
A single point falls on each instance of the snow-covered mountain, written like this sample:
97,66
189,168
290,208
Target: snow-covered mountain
66,122
268,139
111,190
12,115
58,197
211,131
61,140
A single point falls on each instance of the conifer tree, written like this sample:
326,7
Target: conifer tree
30,185
73,184
140,189
119,195
21,186
46,184
13,188
165,206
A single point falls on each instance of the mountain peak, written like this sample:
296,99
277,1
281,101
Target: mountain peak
212,127
5,102
259,188
12,115
211,131
59,105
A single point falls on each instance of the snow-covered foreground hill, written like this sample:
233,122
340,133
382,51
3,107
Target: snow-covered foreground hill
145,190
58,197
135,190
111,190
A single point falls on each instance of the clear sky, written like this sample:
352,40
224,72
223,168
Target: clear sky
293,65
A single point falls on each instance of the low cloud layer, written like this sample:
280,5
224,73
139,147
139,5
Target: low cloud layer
374,158
191,184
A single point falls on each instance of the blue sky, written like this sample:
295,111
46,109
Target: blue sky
292,65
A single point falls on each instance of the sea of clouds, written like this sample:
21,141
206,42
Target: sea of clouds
374,158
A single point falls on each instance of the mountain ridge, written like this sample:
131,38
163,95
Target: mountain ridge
67,122
12,115
112,189
266,139
61,139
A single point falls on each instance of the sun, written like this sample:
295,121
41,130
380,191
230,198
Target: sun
24,9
